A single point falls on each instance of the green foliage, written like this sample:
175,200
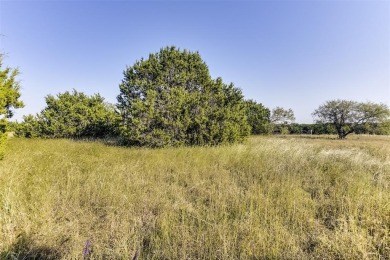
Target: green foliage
284,130
329,129
9,90
31,126
3,125
258,117
295,129
384,128
349,116
71,115
171,100
281,116
9,99
316,129
11,126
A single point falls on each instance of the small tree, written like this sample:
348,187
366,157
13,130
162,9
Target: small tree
170,99
347,116
72,115
281,118
9,99
258,117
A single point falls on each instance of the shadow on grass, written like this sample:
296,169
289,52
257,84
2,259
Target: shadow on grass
24,248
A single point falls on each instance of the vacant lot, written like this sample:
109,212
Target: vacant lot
272,198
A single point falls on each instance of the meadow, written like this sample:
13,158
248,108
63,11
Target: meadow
274,197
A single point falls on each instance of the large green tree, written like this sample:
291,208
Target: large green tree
170,99
347,116
72,115
258,117
9,99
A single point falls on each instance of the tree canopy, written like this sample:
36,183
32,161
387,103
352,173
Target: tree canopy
170,99
9,99
347,116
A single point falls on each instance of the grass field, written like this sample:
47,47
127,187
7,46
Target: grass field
272,198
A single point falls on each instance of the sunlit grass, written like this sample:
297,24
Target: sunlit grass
274,197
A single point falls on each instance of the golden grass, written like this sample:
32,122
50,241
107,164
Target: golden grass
272,198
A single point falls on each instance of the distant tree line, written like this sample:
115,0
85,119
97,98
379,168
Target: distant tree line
170,99
329,129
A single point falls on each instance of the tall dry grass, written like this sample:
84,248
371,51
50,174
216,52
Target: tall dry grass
272,198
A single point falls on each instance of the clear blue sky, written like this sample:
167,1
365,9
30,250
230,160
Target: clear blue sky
294,54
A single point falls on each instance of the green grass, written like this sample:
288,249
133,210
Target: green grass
272,198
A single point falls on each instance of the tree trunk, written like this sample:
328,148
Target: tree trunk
340,132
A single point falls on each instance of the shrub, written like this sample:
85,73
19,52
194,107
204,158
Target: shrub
72,115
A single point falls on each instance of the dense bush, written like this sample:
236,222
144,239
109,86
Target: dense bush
31,126
258,117
72,115
170,99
